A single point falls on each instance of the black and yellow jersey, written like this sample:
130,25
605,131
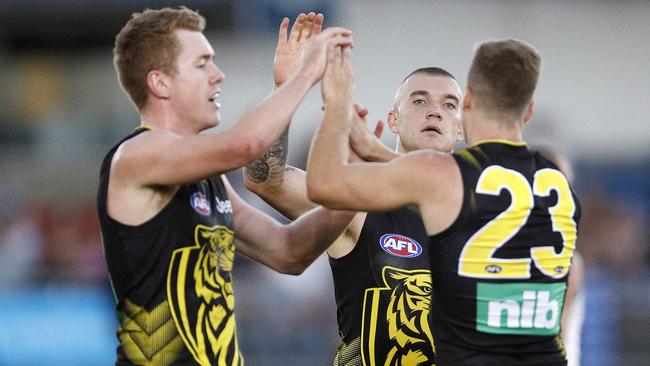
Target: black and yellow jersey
383,290
500,271
171,277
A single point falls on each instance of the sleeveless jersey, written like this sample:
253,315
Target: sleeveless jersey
383,290
500,270
171,277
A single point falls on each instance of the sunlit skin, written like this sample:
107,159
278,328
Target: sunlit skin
196,77
147,170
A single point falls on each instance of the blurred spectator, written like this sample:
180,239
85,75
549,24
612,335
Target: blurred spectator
613,235
73,251
20,239
42,244
614,243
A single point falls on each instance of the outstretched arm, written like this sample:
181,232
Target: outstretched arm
281,186
331,181
284,248
163,158
269,176
284,187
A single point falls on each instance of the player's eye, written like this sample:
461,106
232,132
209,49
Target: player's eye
450,106
419,101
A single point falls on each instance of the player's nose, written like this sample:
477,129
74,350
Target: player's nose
217,75
434,112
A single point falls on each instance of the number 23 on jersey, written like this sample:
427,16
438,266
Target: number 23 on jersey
477,257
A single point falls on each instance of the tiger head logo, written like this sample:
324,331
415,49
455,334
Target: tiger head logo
407,316
215,261
205,321
213,286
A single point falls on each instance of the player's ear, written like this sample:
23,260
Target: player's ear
530,111
158,83
467,99
391,119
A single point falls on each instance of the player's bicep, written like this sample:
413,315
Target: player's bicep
163,158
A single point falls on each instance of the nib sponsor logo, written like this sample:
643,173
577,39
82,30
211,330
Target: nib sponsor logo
522,308
400,245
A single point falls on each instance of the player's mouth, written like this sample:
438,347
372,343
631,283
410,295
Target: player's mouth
213,99
433,129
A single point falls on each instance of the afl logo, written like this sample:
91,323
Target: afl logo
493,268
200,204
400,245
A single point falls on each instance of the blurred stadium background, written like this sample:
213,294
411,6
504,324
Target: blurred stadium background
61,108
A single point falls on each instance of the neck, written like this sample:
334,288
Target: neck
490,128
164,119
400,148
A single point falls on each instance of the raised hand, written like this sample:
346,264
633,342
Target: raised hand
315,51
363,142
353,157
362,113
338,81
288,51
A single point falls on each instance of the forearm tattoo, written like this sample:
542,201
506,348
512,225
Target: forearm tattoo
270,166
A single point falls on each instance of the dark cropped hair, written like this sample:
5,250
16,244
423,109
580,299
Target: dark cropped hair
503,76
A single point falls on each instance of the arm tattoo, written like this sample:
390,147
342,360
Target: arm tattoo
270,166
